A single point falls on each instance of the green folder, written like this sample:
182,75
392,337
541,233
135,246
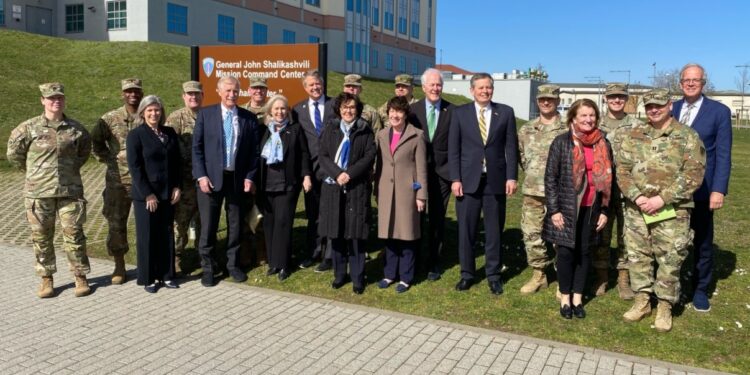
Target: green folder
666,213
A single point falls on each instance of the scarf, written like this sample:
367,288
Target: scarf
602,167
342,153
273,150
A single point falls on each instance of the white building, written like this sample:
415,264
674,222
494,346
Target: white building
380,38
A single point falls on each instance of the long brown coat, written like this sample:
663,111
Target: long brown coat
395,176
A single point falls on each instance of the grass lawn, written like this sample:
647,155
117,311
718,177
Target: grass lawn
92,71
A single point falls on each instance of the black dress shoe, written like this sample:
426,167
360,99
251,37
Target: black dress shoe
207,279
337,284
152,288
284,274
169,284
272,271
358,289
579,312
238,275
566,312
306,263
496,287
324,266
464,284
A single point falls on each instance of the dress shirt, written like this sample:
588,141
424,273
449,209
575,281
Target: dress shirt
236,127
487,121
693,113
321,106
436,106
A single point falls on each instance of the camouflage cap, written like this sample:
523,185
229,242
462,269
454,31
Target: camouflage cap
52,89
192,86
404,79
616,88
258,82
131,83
353,80
656,96
548,91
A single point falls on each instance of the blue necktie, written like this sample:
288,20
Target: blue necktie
318,121
228,136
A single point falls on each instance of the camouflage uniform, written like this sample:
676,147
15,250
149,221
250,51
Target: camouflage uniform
534,139
52,153
670,163
183,122
108,139
369,113
247,257
615,130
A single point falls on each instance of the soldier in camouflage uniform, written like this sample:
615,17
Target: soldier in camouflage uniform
615,124
404,87
353,85
258,97
108,141
659,166
51,149
534,139
186,211
258,91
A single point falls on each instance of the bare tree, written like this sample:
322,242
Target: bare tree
670,79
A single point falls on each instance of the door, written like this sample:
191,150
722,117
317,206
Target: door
39,20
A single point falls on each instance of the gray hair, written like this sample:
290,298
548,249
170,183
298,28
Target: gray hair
694,65
478,76
145,102
267,108
313,73
429,71
228,79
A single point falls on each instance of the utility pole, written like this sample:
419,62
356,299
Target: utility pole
654,76
622,71
743,77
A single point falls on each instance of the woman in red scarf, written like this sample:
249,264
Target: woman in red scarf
577,184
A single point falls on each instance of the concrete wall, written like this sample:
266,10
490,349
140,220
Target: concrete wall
517,93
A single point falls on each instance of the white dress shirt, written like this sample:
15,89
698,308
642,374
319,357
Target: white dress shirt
693,112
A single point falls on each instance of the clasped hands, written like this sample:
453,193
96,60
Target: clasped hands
649,206
152,203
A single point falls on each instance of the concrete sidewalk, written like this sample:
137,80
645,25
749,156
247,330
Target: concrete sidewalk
235,328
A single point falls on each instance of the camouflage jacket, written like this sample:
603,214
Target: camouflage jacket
383,113
108,141
669,163
258,112
370,114
534,140
183,122
52,155
615,129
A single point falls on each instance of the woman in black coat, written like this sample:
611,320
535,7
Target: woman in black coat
346,156
155,166
577,185
284,168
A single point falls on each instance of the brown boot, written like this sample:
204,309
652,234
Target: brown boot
641,308
538,281
46,289
82,286
663,321
602,278
623,285
118,276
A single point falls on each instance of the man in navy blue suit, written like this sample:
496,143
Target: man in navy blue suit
224,164
712,121
483,167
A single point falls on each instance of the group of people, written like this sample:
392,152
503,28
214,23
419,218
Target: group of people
583,172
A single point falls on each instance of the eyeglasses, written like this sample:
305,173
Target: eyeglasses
349,107
692,80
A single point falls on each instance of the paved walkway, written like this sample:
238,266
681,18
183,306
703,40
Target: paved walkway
235,328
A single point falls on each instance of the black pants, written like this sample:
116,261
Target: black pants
316,244
439,192
209,207
399,260
278,218
702,222
573,263
351,252
154,242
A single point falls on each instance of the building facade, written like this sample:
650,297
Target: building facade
379,38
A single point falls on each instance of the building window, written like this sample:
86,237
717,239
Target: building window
365,7
402,64
350,5
260,33
388,14
375,12
117,15
289,37
402,13
415,67
315,3
2,13
357,52
73,18
313,39
415,19
177,18
389,62
374,62
359,6
429,21
349,51
226,29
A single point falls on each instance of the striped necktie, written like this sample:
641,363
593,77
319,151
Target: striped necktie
431,123
685,119
483,125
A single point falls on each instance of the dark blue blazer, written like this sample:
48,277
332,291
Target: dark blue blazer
714,126
301,115
466,151
155,167
208,150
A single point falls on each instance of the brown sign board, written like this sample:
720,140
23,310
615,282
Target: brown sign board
283,65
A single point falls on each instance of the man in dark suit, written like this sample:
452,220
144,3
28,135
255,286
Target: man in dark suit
312,114
712,121
483,165
224,164
433,115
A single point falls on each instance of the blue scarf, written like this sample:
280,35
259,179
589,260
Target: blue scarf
342,154
273,150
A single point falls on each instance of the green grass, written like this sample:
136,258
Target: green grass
92,70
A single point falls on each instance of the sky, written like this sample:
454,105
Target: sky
575,39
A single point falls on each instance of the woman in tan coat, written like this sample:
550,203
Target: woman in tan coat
401,193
